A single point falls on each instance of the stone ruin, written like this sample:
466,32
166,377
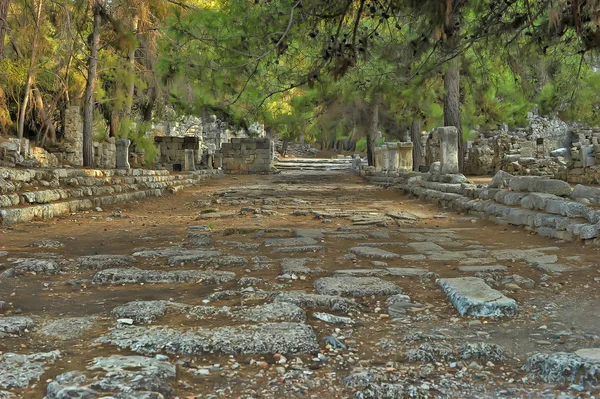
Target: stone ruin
247,155
394,157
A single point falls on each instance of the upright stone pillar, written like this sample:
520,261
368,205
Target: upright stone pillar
123,154
394,156
405,150
210,157
448,149
378,157
189,163
218,160
386,156
73,136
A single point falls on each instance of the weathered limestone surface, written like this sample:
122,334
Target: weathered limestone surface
269,338
471,296
356,286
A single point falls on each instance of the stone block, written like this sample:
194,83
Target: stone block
471,296
540,185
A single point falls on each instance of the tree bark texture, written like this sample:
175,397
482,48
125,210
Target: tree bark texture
88,106
30,72
373,126
418,149
3,25
452,105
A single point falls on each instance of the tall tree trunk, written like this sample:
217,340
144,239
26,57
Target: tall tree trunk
418,149
452,105
149,106
88,106
3,25
373,126
30,72
131,83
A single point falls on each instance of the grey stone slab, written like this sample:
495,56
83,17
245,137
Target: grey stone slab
271,312
268,338
173,251
307,300
303,249
38,266
19,371
553,267
68,328
356,286
217,215
447,256
485,269
47,244
203,260
540,185
414,257
471,296
300,266
136,276
15,324
426,247
520,254
361,272
132,377
333,319
290,242
592,354
563,367
382,244
348,236
146,311
406,271
370,252
100,262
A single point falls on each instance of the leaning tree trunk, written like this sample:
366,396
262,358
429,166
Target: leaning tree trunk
418,150
44,120
452,105
373,126
3,25
88,106
30,72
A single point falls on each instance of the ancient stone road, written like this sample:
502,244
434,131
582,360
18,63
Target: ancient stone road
302,284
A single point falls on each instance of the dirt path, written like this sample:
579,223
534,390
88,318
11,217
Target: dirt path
415,346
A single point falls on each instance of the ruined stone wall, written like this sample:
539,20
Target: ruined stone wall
247,155
171,150
105,154
582,157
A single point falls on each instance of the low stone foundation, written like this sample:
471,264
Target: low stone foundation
29,194
549,207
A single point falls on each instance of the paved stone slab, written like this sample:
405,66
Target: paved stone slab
136,276
361,272
15,324
146,311
589,354
100,262
406,271
269,338
356,286
271,312
382,244
19,371
426,247
217,215
414,257
471,296
300,266
39,266
303,249
290,242
135,377
68,328
540,185
563,367
204,260
485,269
330,318
370,252
303,299
175,251
552,267
47,244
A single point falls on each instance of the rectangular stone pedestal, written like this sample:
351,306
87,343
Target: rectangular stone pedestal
123,154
